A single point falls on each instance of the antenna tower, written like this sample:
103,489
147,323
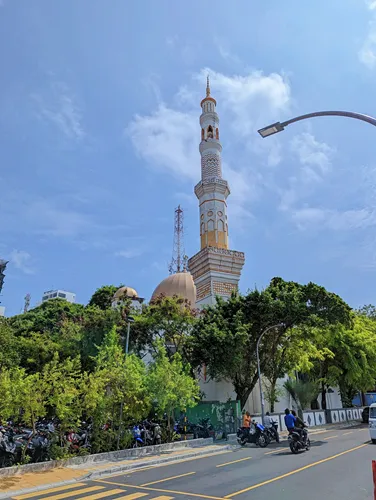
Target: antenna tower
3,265
27,302
179,259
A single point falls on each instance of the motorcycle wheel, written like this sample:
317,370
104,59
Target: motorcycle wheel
242,442
308,444
294,447
262,441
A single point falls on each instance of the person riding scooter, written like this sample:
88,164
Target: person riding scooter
300,425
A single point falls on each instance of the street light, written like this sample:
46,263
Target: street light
274,128
130,320
259,369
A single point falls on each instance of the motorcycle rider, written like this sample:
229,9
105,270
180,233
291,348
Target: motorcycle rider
289,421
246,425
300,426
268,420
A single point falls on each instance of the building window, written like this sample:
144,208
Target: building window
62,295
54,295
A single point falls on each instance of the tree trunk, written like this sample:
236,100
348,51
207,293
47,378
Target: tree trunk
273,398
323,396
244,390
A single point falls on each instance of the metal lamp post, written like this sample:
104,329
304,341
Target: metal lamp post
277,127
130,320
259,369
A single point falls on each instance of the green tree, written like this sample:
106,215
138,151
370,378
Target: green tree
168,318
226,335
9,353
170,383
63,382
102,297
115,391
349,357
302,392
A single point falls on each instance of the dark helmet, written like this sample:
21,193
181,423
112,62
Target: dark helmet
293,412
287,411
267,413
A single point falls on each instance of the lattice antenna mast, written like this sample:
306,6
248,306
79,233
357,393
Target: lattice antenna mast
27,302
3,265
179,259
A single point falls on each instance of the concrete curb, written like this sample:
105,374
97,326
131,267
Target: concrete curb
100,457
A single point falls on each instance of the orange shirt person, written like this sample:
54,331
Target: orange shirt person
247,420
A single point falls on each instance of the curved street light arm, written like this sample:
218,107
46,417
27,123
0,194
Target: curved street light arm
348,114
274,128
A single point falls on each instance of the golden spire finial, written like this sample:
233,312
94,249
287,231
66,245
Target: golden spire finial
207,87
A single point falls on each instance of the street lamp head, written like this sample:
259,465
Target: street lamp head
271,129
130,319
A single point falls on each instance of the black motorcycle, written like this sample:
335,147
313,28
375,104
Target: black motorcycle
299,441
272,432
203,429
255,435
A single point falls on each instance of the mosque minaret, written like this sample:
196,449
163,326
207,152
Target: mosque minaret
215,269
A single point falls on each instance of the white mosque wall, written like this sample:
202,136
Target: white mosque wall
223,390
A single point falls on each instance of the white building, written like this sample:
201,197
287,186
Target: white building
2,311
59,294
125,293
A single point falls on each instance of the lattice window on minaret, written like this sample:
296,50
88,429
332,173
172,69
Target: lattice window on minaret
210,165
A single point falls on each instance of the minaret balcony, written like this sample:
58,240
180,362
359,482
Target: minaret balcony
212,185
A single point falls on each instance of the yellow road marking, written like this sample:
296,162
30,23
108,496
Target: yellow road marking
73,493
345,433
331,437
142,469
176,492
168,478
234,462
103,494
51,490
133,496
276,451
294,472
163,498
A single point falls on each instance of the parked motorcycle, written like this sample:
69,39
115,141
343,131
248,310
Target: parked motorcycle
203,429
255,435
299,441
272,432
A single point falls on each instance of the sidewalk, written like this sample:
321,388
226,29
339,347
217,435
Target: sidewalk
34,481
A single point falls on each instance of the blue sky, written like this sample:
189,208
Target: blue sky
99,134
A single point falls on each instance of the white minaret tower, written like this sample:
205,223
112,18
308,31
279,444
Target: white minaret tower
215,269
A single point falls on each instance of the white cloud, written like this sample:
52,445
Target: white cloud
314,165
22,260
335,220
313,155
367,53
168,138
59,107
130,253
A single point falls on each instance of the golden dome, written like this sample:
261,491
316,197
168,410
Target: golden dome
125,291
180,284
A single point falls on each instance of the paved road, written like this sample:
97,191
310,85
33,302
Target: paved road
338,467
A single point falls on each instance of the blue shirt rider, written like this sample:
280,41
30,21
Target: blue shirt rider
290,420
